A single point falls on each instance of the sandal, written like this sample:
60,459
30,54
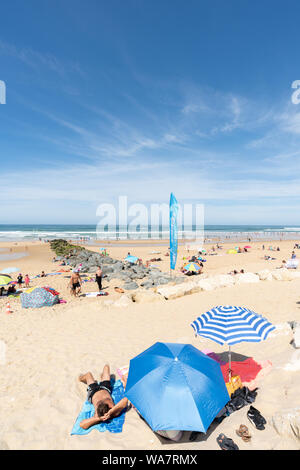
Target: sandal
244,433
226,443
256,418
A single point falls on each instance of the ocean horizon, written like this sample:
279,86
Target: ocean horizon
89,232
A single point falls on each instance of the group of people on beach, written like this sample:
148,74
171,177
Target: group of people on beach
76,281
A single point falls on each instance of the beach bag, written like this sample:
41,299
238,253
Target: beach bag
172,435
234,384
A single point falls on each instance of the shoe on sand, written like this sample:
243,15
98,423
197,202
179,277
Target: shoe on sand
226,443
256,418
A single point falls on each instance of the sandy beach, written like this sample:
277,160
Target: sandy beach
47,348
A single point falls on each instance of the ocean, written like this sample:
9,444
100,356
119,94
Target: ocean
91,233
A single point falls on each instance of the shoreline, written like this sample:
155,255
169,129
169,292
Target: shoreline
139,243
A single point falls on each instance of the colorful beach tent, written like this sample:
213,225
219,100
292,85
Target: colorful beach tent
131,259
232,325
5,279
39,297
192,267
176,387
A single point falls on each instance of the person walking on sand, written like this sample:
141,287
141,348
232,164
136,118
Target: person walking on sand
99,278
100,395
75,283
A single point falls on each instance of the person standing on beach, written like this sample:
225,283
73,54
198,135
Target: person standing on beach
99,278
75,283
20,280
27,280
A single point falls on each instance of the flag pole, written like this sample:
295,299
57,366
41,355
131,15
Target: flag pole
173,233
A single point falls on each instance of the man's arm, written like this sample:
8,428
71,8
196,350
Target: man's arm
87,423
116,410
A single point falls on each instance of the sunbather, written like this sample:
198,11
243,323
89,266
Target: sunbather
100,396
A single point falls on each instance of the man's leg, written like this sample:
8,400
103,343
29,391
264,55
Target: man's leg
87,378
105,373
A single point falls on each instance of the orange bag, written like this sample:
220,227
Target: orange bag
234,384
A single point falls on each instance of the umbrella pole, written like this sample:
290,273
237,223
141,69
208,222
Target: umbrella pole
229,356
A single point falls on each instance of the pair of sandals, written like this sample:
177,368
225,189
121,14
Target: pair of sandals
244,433
228,444
256,418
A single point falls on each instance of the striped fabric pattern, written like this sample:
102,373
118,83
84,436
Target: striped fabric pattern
231,325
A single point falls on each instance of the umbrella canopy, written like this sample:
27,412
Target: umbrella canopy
5,279
131,259
10,270
176,387
232,325
231,251
194,267
247,246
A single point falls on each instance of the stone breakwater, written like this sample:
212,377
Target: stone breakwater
133,276
203,283
200,283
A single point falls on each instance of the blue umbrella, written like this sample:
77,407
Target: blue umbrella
131,259
176,387
232,325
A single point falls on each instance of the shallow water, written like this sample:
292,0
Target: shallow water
10,256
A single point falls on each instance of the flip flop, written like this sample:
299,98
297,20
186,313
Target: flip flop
244,433
256,418
226,443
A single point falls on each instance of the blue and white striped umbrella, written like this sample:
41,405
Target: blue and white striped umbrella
232,325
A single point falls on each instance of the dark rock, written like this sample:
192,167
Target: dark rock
130,285
147,284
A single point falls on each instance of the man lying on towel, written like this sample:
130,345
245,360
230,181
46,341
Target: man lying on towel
100,396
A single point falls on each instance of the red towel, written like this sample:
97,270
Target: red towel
247,370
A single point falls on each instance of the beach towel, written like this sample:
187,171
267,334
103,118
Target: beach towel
114,425
95,294
123,371
247,369
266,367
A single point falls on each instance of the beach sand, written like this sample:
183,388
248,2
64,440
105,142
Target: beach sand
46,350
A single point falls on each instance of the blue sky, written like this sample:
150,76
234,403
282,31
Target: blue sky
141,98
